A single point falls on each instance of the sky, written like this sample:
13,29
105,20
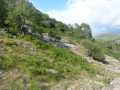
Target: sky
103,16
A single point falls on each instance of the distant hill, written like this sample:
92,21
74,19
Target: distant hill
107,37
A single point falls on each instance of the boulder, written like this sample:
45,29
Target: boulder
51,70
27,30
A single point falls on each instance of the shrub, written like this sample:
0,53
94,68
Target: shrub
93,50
28,37
2,34
52,34
13,30
9,43
41,44
20,36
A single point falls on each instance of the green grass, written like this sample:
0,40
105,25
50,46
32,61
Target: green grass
65,62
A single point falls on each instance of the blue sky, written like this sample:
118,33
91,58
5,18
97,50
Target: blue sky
46,5
102,15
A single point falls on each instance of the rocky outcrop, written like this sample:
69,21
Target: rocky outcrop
115,84
54,41
27,30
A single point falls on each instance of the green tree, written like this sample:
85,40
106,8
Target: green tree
16,16
3,11
82,31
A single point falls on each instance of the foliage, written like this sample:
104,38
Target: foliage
83,31
111,48
93,50
3,12
23,14
52,34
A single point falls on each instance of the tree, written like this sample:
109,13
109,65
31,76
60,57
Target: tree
3,11
82,31
87,31
16,16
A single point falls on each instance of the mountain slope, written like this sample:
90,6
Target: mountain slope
39,53
107,37
26,61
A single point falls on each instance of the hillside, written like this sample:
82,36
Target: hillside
107,37
40,53
26,64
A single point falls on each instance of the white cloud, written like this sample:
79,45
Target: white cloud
93,12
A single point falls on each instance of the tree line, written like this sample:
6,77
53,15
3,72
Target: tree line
15,14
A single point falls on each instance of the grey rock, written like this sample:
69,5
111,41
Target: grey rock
1,41
51,70
21,43
3,30
57,37
27,86
3,75
1,72
17,44
32,49
13,37
115,84
24,80
3,78
4,49
11,73
72,88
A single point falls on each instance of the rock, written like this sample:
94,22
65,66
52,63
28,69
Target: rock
3,30
17,44
26,46
11,73
1,72
51,70
98,76
57,37
24,80
21,43
13,37
3,78
115,84
3,75
1,41
4,49
32,49
28,22
27,86
72,88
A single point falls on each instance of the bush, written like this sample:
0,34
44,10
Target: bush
10,43
13,30
28,37
52,34
93,50
20,36
2,34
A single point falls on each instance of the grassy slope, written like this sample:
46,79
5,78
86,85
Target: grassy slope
103,38
22,66
107,37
